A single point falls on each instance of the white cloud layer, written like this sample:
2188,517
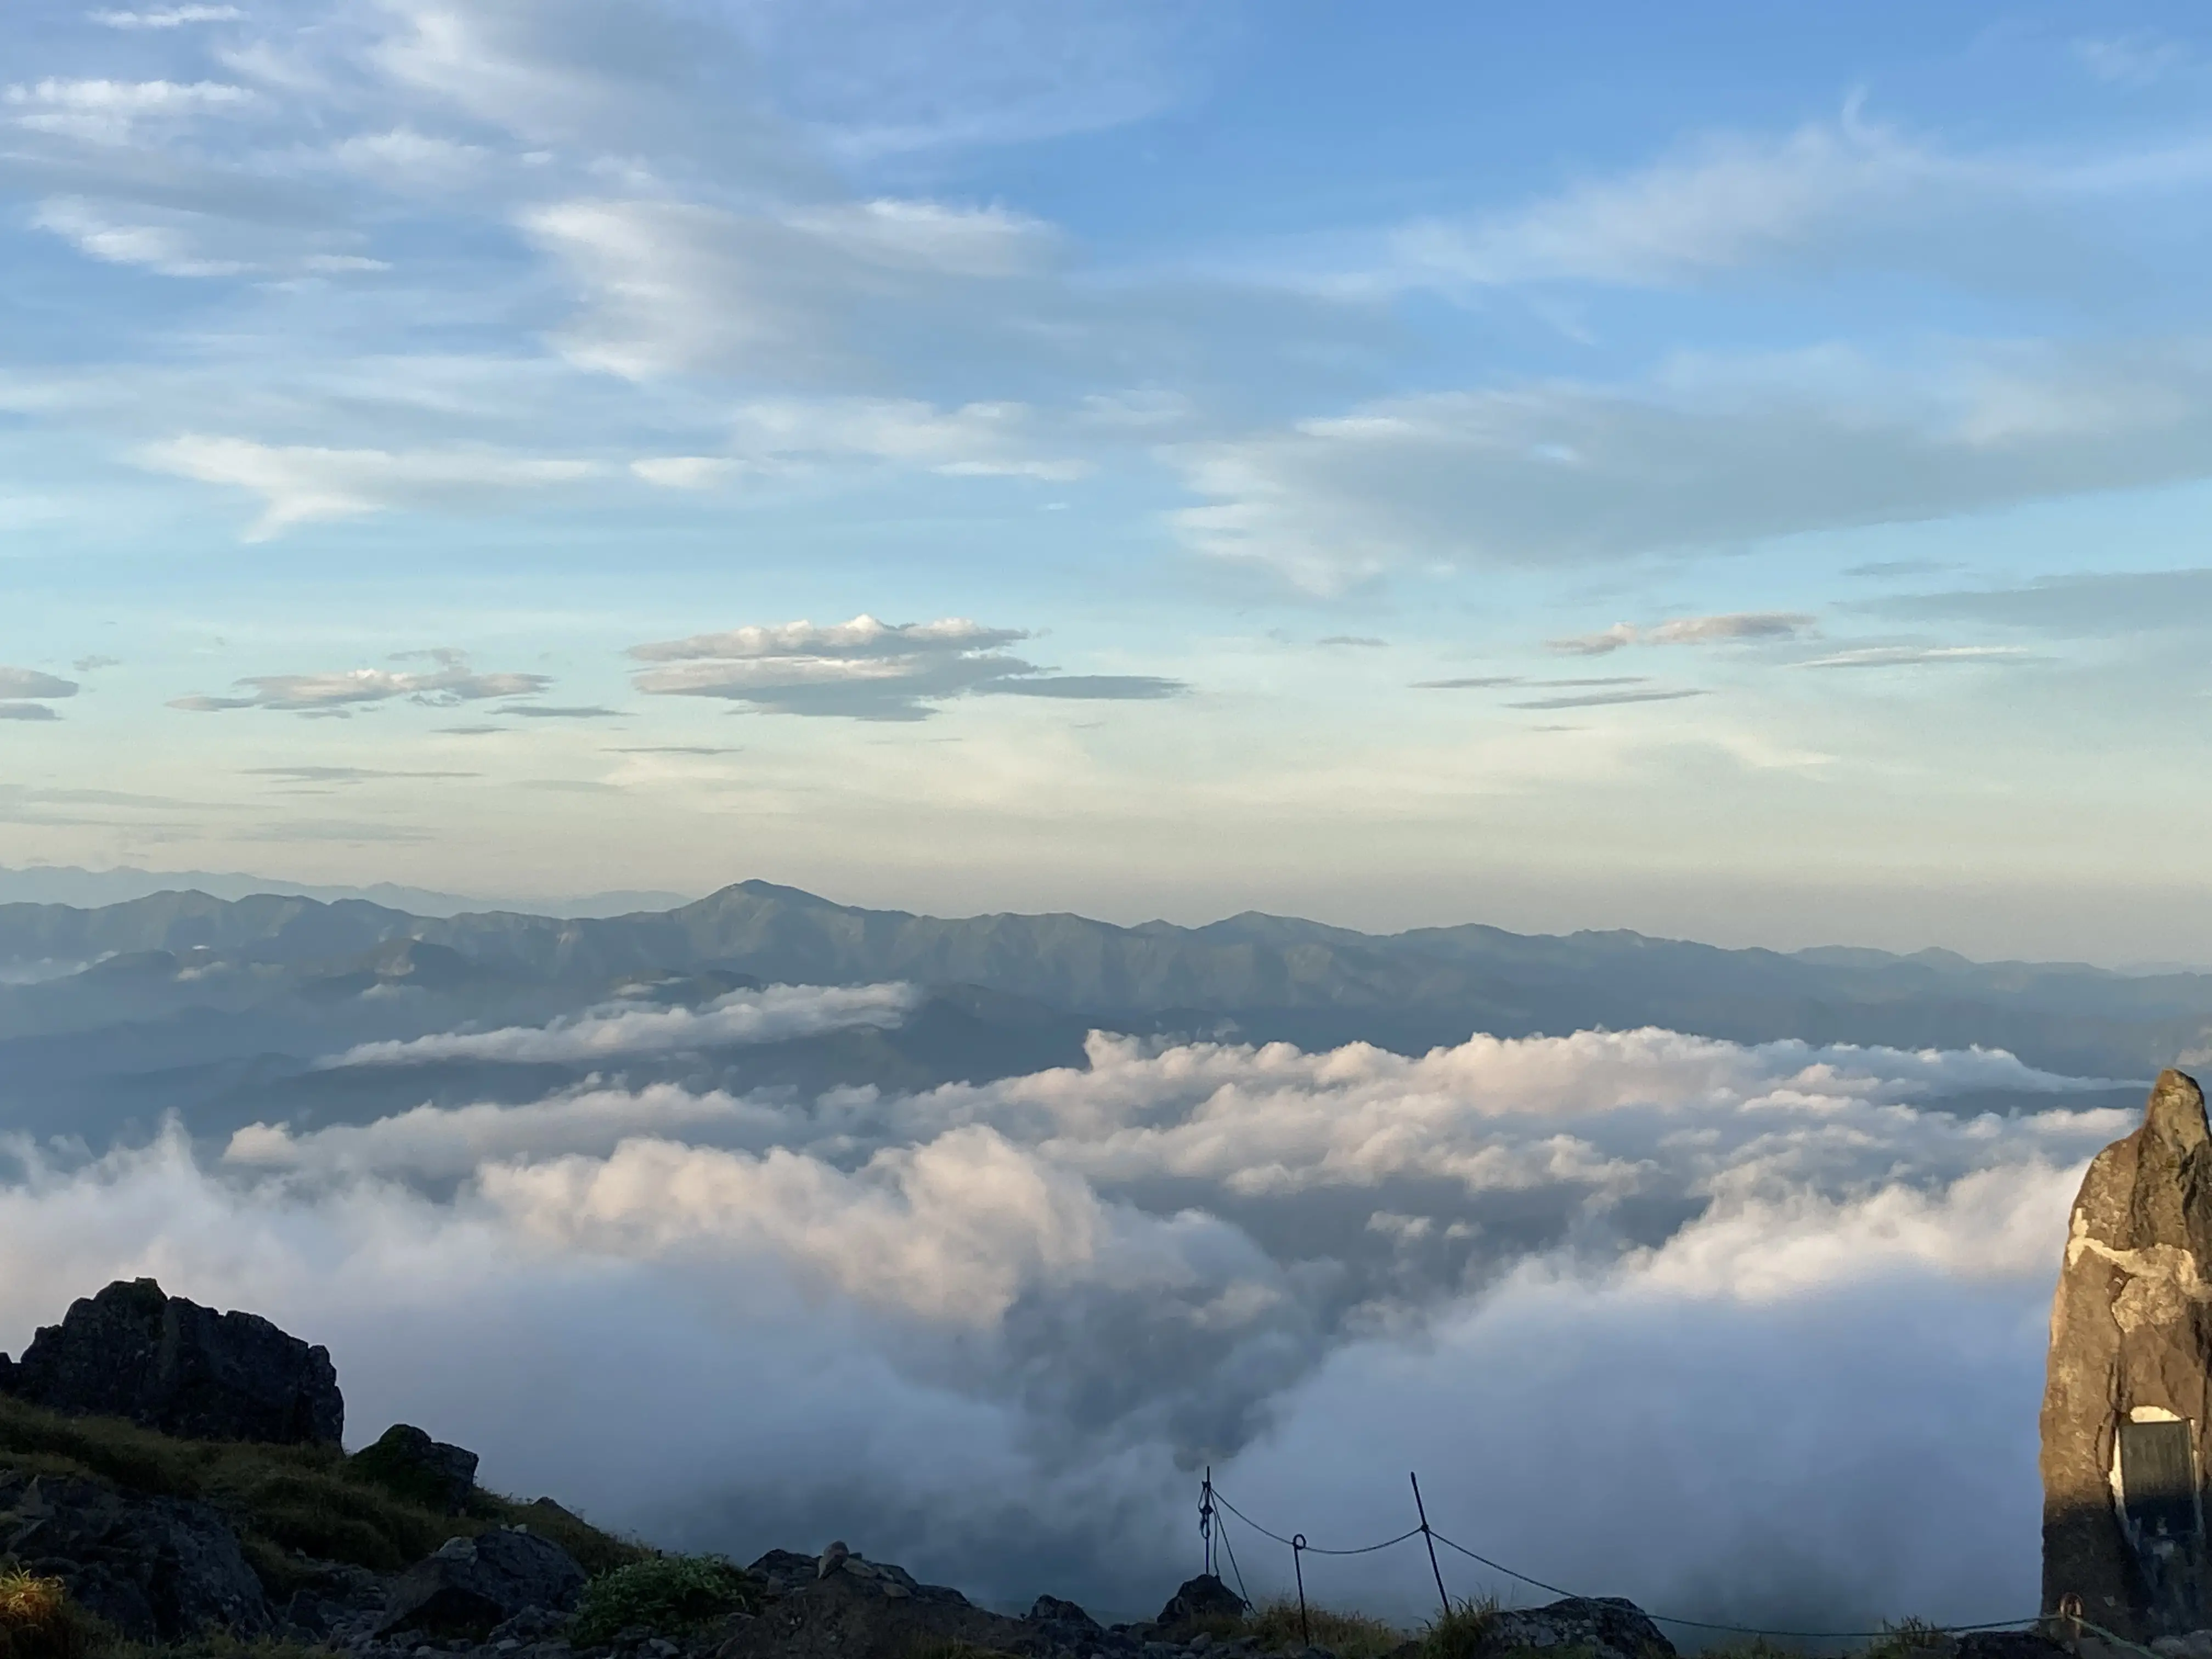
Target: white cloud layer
991,1330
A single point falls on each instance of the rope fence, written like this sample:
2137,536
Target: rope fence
1213,1532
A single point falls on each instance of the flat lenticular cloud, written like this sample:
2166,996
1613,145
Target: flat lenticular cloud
1906,656
993,1331
1687,631
451,681
865,669
30,683
774,1015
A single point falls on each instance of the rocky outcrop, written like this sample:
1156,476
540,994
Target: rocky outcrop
158,1569
2128,1396
405,1461
171,1364
1200,1600
1604,1627
470,1584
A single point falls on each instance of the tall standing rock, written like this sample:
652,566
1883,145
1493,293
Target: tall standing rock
173,1365
2127,1405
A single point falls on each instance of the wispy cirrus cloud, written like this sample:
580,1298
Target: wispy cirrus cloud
302,484
865,668
167,17
451,681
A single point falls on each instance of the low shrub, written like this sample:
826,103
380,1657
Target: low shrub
660,1593
37,1618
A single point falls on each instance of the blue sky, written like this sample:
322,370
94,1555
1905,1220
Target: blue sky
1731,471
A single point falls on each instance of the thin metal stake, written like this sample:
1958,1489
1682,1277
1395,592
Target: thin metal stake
1298,1544
1422,1510
1206,1518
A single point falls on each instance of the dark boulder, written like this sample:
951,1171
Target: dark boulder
1605,1627
171,1364
158,1569
1051,1610
1200,1600
406,1462
471,1584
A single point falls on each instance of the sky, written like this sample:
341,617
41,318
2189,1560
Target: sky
1722,469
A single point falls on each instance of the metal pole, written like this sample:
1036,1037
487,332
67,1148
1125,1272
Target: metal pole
1298,1544
1422,1510
1206,1518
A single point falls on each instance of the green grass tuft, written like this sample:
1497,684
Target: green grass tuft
663,1593
1459,1632
37,1620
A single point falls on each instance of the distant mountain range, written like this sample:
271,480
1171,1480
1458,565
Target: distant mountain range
219,1009
62,884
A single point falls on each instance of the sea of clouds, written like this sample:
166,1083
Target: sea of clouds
1748,1332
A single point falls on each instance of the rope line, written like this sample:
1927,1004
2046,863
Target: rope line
1298,1545
1222,1533
1310,1549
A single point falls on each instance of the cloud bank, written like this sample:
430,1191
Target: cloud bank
992,1331
774,1015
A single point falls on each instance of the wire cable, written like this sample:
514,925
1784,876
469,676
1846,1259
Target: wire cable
1299,1544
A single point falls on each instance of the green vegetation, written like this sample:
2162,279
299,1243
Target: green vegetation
1275,1624
1458,1632
662,1594
37,1618
282,1498
1273,1627
1911,1639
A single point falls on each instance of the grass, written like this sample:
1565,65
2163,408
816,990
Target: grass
37,1618
1910,1638
1459,1632
663,1593
1273,1627
281,1498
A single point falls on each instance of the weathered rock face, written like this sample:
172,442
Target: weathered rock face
188,1371
471,1584
158,1569
2127,1401
1604,1626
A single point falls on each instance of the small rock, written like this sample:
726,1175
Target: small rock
831,1558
